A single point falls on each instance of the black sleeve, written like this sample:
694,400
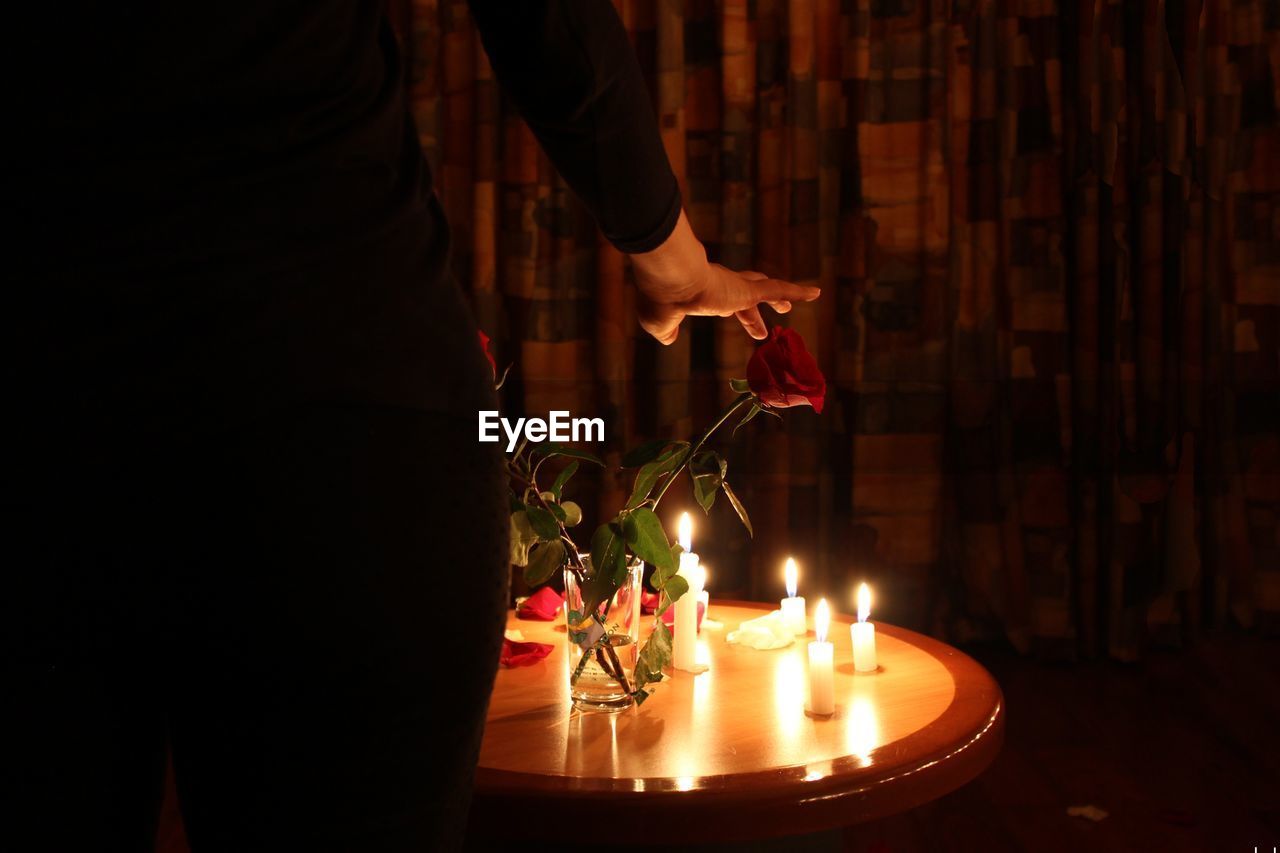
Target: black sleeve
570,69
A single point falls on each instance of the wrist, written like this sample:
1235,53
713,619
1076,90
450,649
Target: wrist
675,266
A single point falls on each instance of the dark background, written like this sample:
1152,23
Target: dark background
1049,241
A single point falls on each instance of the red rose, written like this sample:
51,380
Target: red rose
783,374
484,345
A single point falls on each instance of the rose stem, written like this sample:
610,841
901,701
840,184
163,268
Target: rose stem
688,457
615,672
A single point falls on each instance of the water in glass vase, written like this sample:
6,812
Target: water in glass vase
602,677
597,688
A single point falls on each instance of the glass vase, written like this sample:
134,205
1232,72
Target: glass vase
603,681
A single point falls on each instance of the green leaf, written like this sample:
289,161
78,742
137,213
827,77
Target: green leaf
662,574
672,591
556,509
546,559
608,563
646,479
647,452
738,508
522,538
707,470
655,655
551,449
740,386
607,549
572,514
563,477
517,505
644,533
543,522
751,413
651,472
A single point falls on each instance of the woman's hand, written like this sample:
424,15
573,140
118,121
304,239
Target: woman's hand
675,280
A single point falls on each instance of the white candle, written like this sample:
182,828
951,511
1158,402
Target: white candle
685,643
793,612
822,687
704,597
864,634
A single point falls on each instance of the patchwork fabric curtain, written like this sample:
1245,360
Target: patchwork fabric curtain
1048,235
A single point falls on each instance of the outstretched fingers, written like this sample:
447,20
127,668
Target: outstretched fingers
752,321
773,290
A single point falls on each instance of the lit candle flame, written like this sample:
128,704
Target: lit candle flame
684,532
791,572
821,619
864,602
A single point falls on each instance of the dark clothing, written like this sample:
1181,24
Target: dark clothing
570,69
243,494
308,607
209,184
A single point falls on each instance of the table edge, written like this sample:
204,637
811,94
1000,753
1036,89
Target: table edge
849,794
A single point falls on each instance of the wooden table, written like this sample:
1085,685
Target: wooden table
731,754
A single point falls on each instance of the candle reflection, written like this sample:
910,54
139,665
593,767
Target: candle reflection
817,770
788,695
863,733
613,745
702,684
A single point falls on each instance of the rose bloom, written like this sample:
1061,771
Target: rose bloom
484,345
782,373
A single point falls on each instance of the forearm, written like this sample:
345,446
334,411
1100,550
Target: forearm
570,69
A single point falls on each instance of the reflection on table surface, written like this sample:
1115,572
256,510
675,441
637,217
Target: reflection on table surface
745,715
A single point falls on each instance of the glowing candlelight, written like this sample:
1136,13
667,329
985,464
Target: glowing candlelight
793,612
864,634
684,532
822,689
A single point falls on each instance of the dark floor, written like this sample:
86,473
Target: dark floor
1182,752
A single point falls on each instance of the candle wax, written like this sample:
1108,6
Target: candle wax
864,646
822,688
794,616
684,645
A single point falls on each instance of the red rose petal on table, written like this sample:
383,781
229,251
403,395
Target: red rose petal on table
522,654
670,617
649,602
544,605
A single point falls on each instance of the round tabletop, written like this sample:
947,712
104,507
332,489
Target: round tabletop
731,753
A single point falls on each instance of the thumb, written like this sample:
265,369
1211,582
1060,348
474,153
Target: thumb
660,321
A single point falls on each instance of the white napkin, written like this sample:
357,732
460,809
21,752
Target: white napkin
764,632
